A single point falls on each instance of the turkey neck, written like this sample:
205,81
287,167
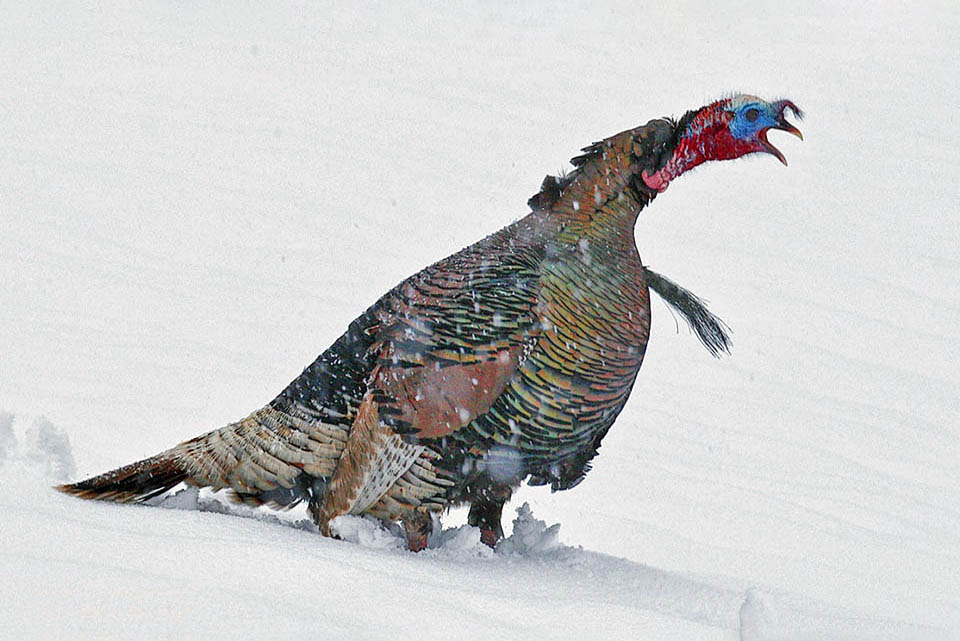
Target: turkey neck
592,270
596,211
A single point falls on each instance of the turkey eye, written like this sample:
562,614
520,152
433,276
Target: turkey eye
752,115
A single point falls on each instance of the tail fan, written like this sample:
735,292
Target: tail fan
270,457
712,332
134,483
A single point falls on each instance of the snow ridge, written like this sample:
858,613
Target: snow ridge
528,569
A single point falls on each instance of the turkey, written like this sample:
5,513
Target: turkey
506,362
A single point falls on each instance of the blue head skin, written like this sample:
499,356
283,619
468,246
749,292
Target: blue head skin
753,117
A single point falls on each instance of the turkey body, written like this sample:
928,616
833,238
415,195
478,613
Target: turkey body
510,359
507,361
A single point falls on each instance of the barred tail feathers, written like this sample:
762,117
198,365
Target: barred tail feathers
133,483
268,457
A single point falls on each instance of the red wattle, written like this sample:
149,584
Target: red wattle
655,181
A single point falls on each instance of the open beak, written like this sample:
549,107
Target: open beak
782,125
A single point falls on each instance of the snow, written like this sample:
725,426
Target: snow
195,200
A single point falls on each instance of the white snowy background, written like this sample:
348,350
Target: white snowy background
197,197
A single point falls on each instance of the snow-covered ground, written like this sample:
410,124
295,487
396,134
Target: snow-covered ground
196,198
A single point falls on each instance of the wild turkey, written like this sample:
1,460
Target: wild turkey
507,361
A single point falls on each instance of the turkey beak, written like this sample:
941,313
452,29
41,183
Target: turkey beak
782,125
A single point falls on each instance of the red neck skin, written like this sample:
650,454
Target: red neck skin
707,137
